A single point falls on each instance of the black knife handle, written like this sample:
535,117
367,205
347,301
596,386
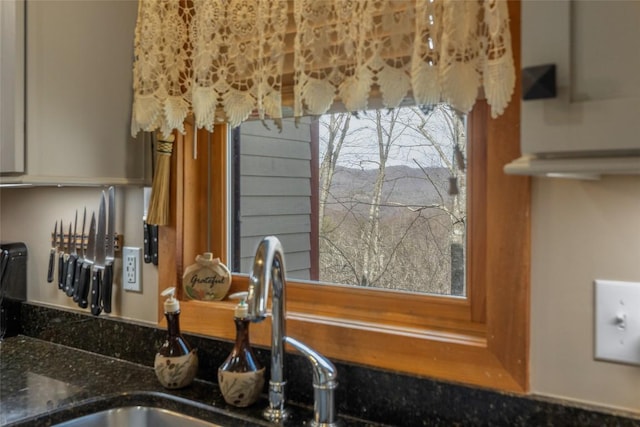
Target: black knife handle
62,273
71,271
154,243
52,264
107,287
96,279
83,292
147,242
4,260
76,280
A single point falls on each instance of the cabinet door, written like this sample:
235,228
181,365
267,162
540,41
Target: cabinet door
12,86
594,45
79,93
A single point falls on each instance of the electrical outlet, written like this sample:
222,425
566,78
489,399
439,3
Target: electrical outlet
617,321
131,269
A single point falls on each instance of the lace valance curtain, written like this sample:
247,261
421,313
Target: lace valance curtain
227,60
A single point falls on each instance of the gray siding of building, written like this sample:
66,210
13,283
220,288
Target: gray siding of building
275,192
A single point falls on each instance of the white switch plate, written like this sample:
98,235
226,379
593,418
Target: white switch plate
617,321
131,269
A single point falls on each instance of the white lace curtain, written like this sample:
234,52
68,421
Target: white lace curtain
227,60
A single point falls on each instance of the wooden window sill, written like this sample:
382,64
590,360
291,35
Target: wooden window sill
465,358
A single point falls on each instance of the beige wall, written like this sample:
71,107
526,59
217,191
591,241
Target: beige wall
581,231
29,214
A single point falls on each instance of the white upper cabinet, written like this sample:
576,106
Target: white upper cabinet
595,46
12,86
79,57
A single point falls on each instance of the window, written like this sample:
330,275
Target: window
375,199
481,339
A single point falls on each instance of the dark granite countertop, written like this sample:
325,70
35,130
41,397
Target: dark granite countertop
67,364
43,383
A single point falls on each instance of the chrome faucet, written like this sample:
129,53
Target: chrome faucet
268,267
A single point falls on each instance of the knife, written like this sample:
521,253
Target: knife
98,263
85,273
73,258
145,227
152,228
153,236
67,260
52,254
4,260
79,262
62,272
107,279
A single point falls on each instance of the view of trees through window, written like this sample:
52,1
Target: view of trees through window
390,199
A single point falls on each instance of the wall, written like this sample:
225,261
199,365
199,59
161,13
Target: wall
581,231
29,214
275,192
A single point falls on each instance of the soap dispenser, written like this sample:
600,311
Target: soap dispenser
176,363
241,376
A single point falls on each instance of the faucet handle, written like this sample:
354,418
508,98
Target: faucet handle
325,377
324,372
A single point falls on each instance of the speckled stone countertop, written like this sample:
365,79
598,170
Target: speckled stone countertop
43,384
68,363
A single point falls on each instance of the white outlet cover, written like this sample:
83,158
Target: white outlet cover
135,255
617,321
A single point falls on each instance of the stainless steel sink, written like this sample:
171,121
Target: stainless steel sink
137,416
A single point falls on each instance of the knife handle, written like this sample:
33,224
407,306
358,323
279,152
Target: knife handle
76,280
96,279
154,243
4,260
83,291
147,242
62,273
52,265
107,287
71,271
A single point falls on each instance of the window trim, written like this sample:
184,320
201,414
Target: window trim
481,340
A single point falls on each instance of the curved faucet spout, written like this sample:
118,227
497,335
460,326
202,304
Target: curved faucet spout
269,268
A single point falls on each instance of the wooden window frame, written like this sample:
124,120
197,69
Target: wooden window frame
481,340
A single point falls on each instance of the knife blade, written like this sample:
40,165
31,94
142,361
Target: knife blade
52,254
87,265
98,263
146,195
79,262
107,279
73,258
62,273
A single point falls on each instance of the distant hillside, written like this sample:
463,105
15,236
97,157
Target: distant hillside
403,185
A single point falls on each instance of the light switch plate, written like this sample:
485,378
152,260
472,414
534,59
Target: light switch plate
617,321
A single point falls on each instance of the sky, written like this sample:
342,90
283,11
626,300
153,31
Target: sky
408,147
